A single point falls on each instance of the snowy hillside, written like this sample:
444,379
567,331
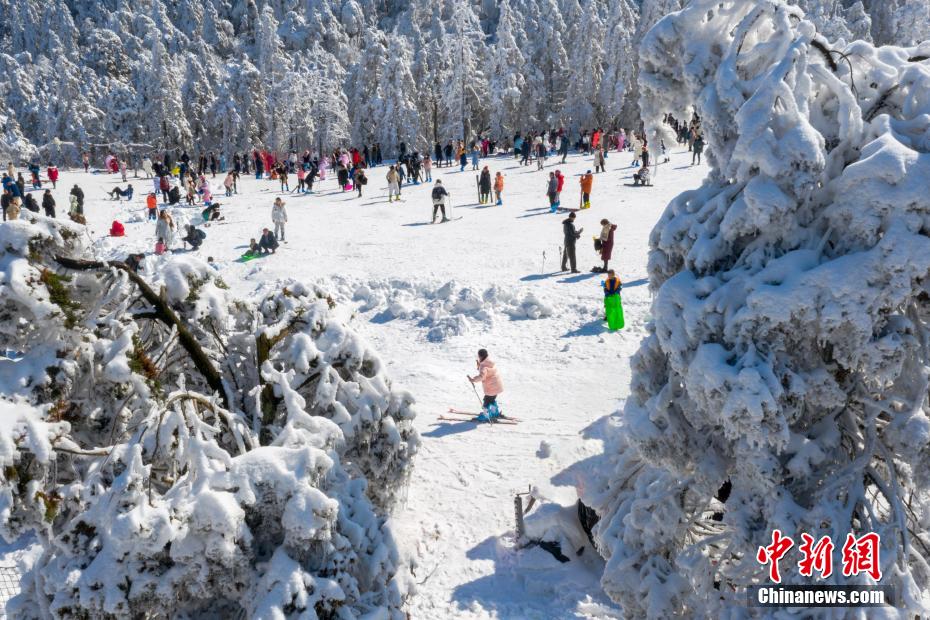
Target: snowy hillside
426,297
229,76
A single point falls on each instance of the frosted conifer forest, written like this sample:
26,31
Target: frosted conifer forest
244,374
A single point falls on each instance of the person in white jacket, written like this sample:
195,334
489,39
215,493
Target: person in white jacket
147,167
279,217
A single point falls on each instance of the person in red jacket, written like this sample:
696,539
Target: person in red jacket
52,173
560,183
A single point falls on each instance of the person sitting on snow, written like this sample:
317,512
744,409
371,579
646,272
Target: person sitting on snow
253,250
212,213
134,262
118,193
642,176
491,384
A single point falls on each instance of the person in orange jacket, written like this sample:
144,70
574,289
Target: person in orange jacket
587,181
499,187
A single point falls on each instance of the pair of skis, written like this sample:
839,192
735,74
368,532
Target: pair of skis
458,415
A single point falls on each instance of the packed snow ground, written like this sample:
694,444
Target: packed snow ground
427,297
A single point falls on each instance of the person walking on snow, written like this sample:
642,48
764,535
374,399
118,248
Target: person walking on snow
393,184
279,218
439,201
428,168
587,181
697,149
499,187
571,236
491,384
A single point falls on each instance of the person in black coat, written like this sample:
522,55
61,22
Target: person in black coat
48,203
29,201
268,243
571,236
437,151
78,193
484,186
194,237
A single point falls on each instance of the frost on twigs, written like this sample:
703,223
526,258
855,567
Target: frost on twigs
185,453
784,381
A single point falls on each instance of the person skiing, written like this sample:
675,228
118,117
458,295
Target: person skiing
48,203
613,308
439,201
571,236
499,187
393,184
586,181
484,186
606,243
491,384
551,191
279,218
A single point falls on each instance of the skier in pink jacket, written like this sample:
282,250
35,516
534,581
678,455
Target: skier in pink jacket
491,384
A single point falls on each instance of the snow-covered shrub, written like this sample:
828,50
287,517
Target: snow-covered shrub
784,380
185,453
444,310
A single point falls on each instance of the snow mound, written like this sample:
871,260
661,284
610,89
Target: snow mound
445,310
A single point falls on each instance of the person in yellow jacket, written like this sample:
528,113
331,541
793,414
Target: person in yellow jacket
613,308
587,182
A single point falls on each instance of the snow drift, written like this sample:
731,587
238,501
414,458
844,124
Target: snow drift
784,380
191,453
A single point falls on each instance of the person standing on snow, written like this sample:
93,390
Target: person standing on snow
587,182
599,164
571,236
697,149
551,191
475,153
613,308
48,203
558,189
563,147
606,244
439,195
279,218
484,186
393,184
427,169
499,187
491,384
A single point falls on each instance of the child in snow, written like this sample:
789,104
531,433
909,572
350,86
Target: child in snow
194,237
211,213
360,179
642,176
587,181
499,187
52,173
491,384
474,157
160,247
613,309
117,229
428,168
118,193
151,205
393,184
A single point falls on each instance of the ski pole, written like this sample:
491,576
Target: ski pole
476,391
543,270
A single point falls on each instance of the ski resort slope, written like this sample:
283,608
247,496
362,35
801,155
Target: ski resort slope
428,297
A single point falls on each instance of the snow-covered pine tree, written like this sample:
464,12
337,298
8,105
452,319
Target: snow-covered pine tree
619,61
585,62
505,76
190,454
784,379
400,119
465,94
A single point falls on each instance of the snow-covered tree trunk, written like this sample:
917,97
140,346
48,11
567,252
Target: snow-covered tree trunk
784,380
